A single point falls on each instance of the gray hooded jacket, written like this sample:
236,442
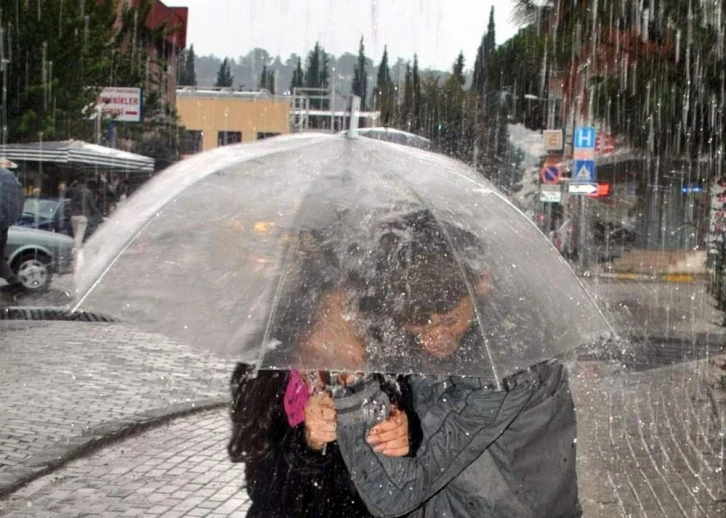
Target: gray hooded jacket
484,452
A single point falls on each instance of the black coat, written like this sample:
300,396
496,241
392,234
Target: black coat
293,481
12,199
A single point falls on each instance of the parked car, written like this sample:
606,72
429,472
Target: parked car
35,255
53,215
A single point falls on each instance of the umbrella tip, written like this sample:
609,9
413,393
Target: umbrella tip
354,115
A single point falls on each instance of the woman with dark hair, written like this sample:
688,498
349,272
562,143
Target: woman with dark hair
283,422
484,452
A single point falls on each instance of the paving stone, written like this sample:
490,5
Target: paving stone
67,384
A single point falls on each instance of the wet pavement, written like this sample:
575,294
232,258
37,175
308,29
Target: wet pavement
179,469
68,385
651,419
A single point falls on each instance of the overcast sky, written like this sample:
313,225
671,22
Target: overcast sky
435,29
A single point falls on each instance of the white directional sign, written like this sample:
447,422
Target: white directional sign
123,104
550,196
582,188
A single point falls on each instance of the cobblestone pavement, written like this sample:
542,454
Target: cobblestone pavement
648,445
66,384
179,469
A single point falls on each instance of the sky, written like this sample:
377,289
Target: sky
435,29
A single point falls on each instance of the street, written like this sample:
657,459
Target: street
650,430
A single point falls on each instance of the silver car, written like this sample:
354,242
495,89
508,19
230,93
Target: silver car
35,255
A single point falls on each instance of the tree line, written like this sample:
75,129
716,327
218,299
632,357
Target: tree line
464,113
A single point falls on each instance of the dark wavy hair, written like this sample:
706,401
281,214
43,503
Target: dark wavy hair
311,271
255,398
416,271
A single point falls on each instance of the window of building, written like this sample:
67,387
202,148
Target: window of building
265,134
225,138
194,141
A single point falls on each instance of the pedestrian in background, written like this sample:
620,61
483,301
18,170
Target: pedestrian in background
82,208
12,199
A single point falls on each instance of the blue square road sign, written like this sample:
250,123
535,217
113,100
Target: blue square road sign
583,171
585,137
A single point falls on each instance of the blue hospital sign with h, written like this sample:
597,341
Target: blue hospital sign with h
585,138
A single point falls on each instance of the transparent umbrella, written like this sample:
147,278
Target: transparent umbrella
258,251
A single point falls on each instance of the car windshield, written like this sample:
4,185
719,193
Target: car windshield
43,209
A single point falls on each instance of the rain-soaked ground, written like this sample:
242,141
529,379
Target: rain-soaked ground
651,423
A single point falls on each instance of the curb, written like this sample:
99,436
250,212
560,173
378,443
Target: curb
96,438
643,277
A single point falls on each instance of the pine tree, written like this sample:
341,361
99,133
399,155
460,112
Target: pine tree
224,76
483,57
406,109
491,39
360,77
416,122
458,69
384,95
317,73
298,76
187,74
267,80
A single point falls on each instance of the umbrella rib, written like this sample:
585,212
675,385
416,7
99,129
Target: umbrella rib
275,303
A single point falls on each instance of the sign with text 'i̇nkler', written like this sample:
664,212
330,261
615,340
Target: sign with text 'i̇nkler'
583,163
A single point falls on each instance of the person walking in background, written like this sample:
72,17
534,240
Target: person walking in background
82,208
12,200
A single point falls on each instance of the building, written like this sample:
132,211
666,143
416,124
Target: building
221,116
165,50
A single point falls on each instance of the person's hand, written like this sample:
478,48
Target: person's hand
391,436
320,422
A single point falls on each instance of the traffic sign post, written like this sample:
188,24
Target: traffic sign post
583,171
583,164
553,140
582,188
585,139
551,174
583,180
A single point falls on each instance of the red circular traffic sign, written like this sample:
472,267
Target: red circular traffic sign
551,173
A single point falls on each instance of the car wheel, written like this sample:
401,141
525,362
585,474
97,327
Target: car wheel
33,271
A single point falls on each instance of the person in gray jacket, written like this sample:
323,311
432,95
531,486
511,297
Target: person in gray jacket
484,452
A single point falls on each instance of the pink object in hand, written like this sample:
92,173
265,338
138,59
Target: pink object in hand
296,397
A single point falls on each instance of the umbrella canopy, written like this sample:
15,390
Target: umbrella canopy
239,250
396,136
80,155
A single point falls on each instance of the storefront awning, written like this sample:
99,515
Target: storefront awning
78,155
